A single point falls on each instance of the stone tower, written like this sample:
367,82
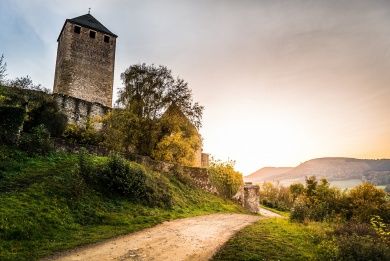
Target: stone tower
85,60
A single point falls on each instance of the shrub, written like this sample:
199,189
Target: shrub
317,202
273,196
353,247
36,142
118,177
226,180
48,114
367,200
382,229
300,210
11,121
354,241
123,179
83,135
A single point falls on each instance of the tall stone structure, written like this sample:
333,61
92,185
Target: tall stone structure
85,60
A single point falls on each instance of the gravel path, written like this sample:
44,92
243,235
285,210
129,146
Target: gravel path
196,238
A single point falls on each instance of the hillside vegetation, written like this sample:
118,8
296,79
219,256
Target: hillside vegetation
47,204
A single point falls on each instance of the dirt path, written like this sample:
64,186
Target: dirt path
196,238
267,213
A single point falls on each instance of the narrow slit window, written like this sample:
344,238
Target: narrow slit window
92,34
106,39
77,29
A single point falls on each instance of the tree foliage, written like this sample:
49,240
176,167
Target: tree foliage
225,178
177,148
273,196
179,140
149,91
318,201
25,82
157,117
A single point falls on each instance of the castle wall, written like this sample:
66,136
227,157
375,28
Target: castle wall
79,111
85,65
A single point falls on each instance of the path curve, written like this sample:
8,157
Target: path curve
196,238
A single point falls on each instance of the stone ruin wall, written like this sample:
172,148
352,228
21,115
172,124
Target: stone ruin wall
249,197
80,111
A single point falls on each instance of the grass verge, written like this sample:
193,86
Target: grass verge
274,239
45,206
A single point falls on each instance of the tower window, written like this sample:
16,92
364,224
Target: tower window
106,39
92,34
77,29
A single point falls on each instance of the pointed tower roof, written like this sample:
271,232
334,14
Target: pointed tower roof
90,22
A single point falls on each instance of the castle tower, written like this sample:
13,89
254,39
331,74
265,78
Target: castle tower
85,60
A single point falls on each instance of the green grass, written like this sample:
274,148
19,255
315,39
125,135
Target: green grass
274,239
46,207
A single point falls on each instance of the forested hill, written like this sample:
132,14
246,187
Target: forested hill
376,171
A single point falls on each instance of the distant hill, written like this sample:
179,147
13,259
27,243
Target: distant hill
333,169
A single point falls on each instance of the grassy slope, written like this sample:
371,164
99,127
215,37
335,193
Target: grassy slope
273,239
45,207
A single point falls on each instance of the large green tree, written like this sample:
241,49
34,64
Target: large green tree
139,125
149,90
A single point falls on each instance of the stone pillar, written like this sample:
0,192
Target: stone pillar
252,197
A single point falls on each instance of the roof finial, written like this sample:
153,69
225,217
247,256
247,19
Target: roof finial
89,10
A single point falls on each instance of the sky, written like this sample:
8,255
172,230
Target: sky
282,81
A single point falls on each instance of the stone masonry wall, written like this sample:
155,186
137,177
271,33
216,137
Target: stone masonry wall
85,65
79,111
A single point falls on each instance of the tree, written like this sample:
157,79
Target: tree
143,122
179,139
26,82
367,200
150,90
296,190
3,69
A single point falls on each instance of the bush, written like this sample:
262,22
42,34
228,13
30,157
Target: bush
37,142
226,180
124,179
119,177
48,114
317,202
354,241
11,121
366,201
353,247
277,197
300,210
82,135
